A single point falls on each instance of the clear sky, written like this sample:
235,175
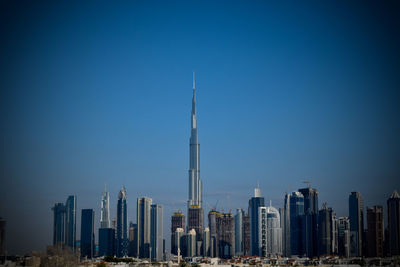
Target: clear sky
96,93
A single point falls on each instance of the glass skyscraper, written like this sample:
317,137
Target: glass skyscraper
143,226
254,204
356,218
70,222
87,233
393,205
59,224
296,213
310,222
156,232
122,225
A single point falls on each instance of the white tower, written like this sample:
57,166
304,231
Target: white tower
105,210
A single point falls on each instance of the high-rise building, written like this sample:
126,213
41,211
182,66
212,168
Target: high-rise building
195,221
393,204
177,221
105,210
206,242
87,233
254,204
191,243
59,224
296,213
122,225
226,235
325,230
246,234
2,236
212,224
239,232
132,237
156,232
270,231
70,222
178,240
356,218
344,237
375,233
309,222
143,224
106,242
195,183
286,226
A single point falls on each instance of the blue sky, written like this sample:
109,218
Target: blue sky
95,93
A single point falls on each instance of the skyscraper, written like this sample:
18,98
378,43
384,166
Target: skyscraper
195,221
70,222
393,205
344,237
132,249
122,225
206,242
105,210
375,234
270,231
156,232
191,243
87,233
309,221
296,213
239,232
177,221
106,242
195,183
325,230
246,234
59,224
286,226
143,224
226,235
254,204
356,218
2,236
212,224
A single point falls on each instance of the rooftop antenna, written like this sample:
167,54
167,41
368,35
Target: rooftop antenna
193,82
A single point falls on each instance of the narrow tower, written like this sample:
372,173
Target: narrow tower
195,184
105,210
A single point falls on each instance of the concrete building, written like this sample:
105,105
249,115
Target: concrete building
226,235
206,242
191,243
195,221
177,221
239,232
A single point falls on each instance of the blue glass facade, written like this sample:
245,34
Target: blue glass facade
106,242
296,213
87,233
70,222
122,225
254,204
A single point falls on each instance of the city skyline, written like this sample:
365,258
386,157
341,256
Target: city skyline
267,114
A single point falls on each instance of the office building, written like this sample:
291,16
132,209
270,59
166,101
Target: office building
195,221
286,226
206,242
246,235
375,233
143,224
212,224
393,205
2,236
106,242
270,231
132,238
325,231
87,233
191,243
344,237
177,221
226,235
254,204
309,222
296,214
179,243
122,225
356,218
70,222
59,224
239,232
156,232
105,210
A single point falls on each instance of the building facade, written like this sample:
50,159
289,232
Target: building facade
254,204
375,233
105,210
344,237
393,206
122,225
143,225
296,214
310,221
87,233
156,233
356,217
